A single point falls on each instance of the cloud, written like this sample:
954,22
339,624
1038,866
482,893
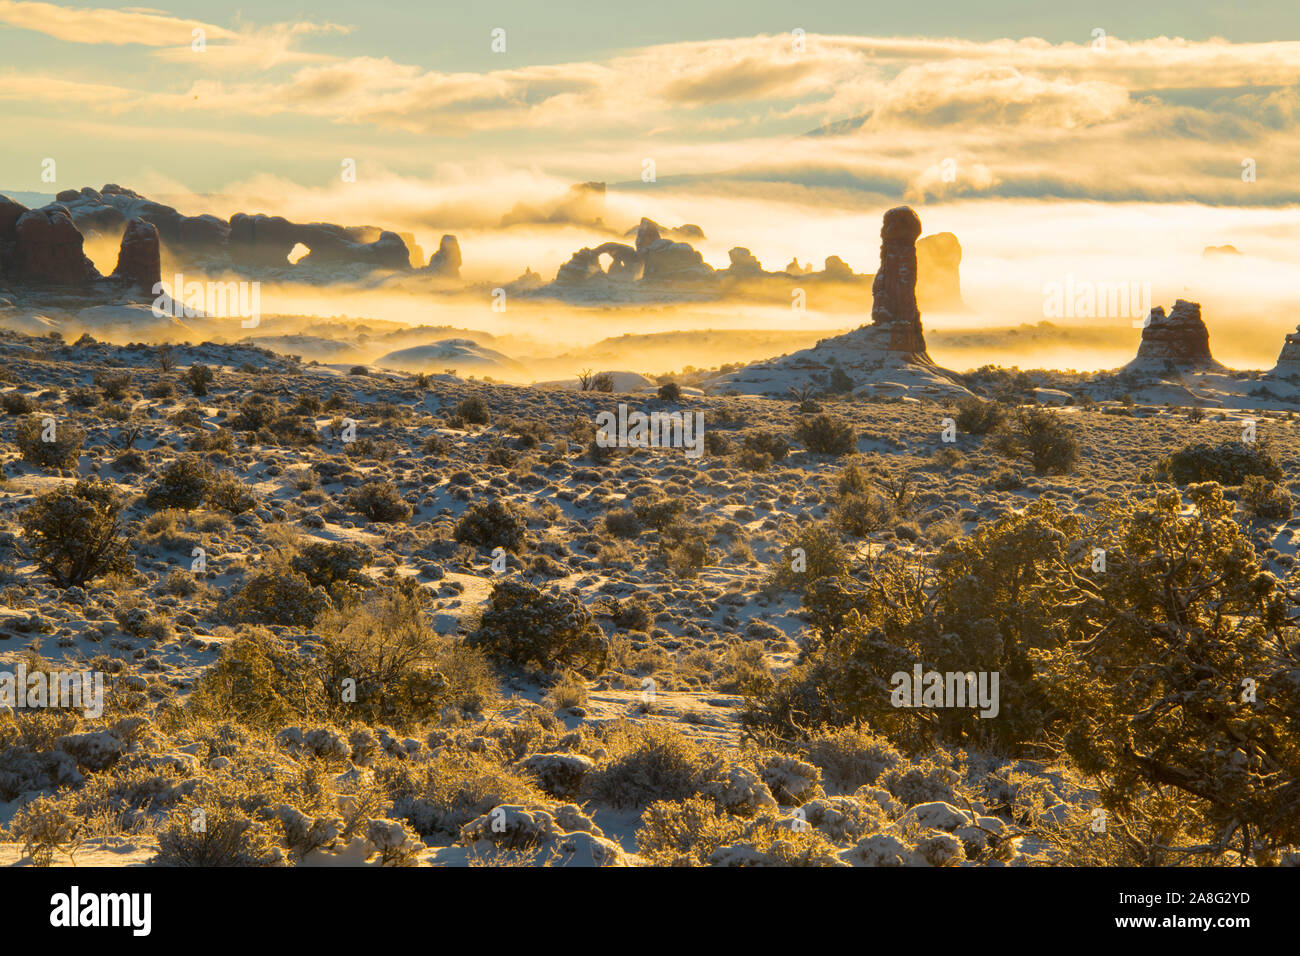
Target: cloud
118,27
1161,119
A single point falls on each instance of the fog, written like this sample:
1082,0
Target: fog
1014,254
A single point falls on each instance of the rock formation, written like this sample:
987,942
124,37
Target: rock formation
687,232
47,247
139,261
938,272
254,242
837,269
1288,360
1179,340
646,233
743,263
893,292
446,261
886,356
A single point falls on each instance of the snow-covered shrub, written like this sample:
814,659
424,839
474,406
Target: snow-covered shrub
1228,463
648,762
526,626
379,501
184,484
849,757
62,452
492,524
277,596
75,534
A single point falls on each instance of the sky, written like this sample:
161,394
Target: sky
784,127
1023,99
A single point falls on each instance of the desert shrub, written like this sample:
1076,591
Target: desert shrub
685,832
752,460
840,383
814,552
83,397
1004,479
220,441
658,512
685,549
227,493
1228,463
473,411
61,450
492,524
277,596
978,417
648,762
403,672
164,389
1178,677
181,583
44,827
228,836
716,443
379,501
335,566
1040,437
989,603
825,434
850,757
258,680
255,412
184,484
455,787
76,534
766,443
527,626
115,387
198,378
1265,499
622,524
670,392
16,403
862,513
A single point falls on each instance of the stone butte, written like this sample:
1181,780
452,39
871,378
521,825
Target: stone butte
1179,340
893,292
887,356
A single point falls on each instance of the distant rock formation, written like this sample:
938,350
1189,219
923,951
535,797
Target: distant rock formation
938,272
446,261
887,356
42,246
1178,340
250,241
893,292
688,232
1288,360
139,261
1211,251
743,263
664,265
654,259
646,233
664,259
